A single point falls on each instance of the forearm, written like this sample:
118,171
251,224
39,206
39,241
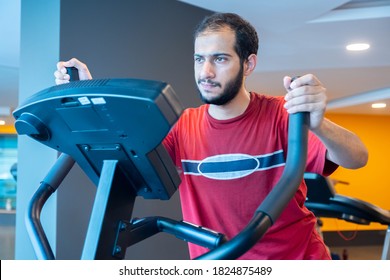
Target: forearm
343,146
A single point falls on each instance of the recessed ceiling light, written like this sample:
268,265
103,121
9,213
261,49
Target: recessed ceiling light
358,47
378,105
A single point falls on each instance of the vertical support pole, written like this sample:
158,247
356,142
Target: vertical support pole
114,201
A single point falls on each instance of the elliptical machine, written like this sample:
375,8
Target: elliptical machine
113,129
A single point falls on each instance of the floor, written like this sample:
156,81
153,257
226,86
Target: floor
365,244
358,252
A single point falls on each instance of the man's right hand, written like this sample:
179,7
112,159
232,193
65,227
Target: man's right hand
63,78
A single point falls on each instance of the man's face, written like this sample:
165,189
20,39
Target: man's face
218,71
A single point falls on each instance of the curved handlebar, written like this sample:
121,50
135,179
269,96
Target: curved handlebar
48,186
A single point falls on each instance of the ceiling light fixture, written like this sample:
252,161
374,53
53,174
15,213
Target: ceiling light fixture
358,47
378,105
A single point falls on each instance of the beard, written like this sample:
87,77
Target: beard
231,90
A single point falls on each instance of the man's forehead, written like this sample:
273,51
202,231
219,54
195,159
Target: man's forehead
215,41
219,31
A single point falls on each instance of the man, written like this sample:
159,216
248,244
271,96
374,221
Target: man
236,124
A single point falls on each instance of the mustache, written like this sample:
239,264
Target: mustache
207,81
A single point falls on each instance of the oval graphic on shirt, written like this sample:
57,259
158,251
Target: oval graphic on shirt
228,166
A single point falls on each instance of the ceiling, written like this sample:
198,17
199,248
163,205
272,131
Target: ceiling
296,37
301,36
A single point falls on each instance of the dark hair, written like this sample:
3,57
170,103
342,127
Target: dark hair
247,41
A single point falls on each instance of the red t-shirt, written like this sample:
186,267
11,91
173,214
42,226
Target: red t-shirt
228,168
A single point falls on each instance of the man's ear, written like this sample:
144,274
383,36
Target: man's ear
250,64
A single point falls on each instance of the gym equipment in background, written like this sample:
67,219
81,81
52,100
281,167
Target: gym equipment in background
323,201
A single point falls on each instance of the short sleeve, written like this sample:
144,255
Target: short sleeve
316,157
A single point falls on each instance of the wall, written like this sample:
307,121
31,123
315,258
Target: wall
372,182
7,129
149,39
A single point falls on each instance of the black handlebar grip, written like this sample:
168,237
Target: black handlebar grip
73,72
292,80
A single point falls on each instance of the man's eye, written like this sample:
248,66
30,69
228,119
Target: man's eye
220,59
198,59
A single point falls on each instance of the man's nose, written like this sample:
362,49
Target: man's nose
207,71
